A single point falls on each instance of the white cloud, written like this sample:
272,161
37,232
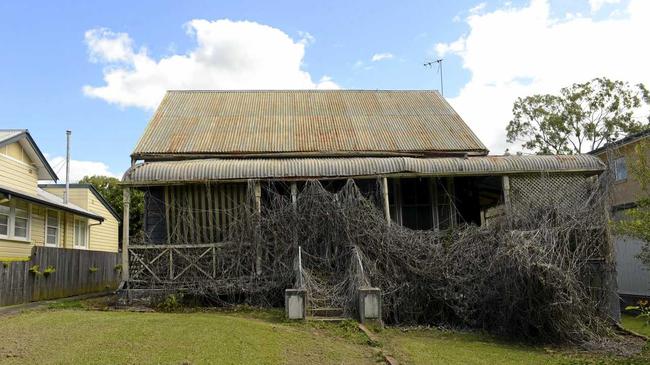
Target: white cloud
513,52
381,56
79,169
477,8
306,38
597,4
229,55
107,46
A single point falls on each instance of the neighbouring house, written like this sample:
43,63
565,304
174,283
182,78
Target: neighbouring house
38,215
202,151
633,276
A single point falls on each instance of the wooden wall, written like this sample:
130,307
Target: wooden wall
17,170
192,213
73,275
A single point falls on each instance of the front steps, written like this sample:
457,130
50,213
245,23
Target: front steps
325,312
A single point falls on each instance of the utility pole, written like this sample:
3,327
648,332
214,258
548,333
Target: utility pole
439,62
66,193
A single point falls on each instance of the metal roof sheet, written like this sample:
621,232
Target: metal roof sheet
41,196
299,122
92,189
169,172
7,134
623,141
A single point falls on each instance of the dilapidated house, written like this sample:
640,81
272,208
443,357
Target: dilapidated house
205,153
410,144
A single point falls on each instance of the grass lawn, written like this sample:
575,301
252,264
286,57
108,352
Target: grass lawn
69,333
636,324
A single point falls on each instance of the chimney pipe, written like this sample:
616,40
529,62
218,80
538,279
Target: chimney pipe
67,168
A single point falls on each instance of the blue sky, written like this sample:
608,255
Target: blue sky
56,55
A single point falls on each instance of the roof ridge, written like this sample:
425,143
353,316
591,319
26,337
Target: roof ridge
302,90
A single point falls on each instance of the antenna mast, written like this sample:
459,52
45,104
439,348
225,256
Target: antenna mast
66,193
439,62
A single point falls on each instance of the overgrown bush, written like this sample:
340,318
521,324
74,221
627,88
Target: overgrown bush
528,275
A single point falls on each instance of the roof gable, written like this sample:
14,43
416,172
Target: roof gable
305,123
22,136
90,188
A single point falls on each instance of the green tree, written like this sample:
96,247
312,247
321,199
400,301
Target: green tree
111,190
582,118
636,221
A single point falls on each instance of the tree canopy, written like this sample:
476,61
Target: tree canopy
584,117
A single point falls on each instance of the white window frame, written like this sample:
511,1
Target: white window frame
58,227
6,236
12,220
76,243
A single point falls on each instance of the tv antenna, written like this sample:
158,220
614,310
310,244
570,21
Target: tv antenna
439,62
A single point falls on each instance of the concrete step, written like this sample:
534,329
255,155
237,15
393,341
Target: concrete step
325,312
326,319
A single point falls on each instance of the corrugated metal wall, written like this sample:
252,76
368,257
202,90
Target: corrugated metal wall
633,276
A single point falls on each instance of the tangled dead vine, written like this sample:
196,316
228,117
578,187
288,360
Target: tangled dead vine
534,274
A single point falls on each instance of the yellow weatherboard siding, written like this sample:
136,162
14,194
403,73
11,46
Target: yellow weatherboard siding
101,237
17,173
16,151
68,231
10,248
38,225
77,196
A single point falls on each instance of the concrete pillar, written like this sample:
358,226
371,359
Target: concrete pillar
369,304
295,305
125,233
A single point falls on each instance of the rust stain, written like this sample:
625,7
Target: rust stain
236,122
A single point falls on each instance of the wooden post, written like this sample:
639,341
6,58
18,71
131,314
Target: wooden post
125,233
451,196
384,193
258,249
294,194
171,264
506,192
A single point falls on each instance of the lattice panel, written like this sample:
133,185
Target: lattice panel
563,191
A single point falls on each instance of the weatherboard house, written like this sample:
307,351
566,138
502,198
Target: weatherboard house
204,149
33,214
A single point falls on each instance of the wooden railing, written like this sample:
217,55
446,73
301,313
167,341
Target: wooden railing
173,263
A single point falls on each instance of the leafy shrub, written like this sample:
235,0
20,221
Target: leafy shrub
49,270
34,270
171,303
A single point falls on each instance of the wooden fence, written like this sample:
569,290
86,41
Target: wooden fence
56,273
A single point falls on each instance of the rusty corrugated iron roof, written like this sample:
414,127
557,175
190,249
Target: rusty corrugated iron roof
304,122
186,171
